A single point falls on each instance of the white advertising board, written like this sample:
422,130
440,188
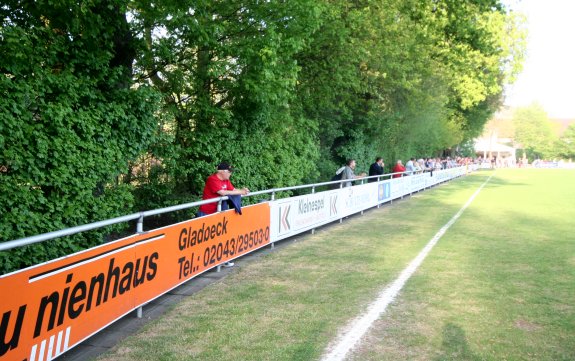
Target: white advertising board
290,216
294,215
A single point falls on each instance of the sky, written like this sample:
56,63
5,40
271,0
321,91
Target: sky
548,75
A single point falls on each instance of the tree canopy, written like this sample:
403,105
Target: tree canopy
119,105
534,133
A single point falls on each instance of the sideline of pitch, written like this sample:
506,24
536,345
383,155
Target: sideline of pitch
353,332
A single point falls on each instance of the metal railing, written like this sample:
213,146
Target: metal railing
141,215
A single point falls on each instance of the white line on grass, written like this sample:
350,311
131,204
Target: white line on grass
359,326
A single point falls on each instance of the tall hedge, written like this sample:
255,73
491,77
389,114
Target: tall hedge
71,121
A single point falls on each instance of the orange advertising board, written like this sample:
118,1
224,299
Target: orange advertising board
49,308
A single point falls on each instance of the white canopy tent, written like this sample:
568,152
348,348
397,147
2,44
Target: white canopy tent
488,148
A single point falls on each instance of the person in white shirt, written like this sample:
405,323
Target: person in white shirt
410,167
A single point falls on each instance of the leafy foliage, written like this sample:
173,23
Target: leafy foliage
566,144
533,131
121,105
70,121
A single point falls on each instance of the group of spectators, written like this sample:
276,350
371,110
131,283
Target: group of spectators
218,184
511,162
421,165
413,166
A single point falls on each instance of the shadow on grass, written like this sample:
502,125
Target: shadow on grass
455,345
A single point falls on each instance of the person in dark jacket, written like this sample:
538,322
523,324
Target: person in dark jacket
376,169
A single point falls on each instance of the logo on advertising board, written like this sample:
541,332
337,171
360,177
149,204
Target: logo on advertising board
384,191
349,197
333,205
284,221
360,196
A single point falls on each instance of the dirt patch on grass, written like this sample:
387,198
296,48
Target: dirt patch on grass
526,325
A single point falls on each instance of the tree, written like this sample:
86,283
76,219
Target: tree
401,78
533,131
566,145
226,72
70,123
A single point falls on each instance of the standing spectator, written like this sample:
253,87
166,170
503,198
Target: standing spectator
417,167
376,169
429,164
410,166
438,165
219,185
421,163
398,169
348,172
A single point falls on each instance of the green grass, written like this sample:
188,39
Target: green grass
499,285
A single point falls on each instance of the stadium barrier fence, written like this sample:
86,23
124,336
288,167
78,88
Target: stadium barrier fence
49,308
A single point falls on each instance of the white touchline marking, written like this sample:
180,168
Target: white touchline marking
359,326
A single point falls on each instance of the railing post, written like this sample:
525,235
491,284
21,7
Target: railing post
341,187
273,197
378,202
312,192
219,268
140,229
140,225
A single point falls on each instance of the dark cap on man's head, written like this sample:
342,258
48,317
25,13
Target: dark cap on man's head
225,166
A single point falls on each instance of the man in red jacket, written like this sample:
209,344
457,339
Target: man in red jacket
399,169
219,185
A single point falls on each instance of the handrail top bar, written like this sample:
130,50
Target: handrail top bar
179,207
66,232
99,224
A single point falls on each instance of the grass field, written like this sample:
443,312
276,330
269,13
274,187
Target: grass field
499,285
